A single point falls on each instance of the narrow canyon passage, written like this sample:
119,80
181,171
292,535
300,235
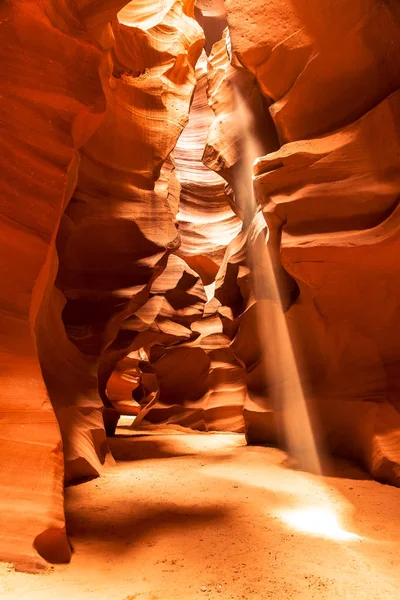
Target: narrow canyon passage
185,516
199,299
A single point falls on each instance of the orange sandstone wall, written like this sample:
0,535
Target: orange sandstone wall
52,102
114,230
329,196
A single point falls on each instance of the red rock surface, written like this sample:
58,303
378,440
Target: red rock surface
48,114
334,199
316,60
124,234
51,103
126,194
338,244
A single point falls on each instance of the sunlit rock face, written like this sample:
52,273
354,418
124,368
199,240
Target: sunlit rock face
316,60
177,325
228,82
211,15
338,242
206,221
109,247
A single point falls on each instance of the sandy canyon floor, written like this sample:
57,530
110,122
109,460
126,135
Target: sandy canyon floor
184,516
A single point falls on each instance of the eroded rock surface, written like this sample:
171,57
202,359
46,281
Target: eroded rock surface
52,102
206,221
85,87
332,201
125,237
119,227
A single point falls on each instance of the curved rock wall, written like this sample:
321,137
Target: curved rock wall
93,109
332,71
206,221
52,102
108,245
119,227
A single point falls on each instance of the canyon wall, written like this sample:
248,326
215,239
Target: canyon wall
125,229
329,196
52,102
73,70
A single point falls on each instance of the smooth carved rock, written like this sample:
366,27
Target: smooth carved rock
95,95
338,243
175,326
58,110
316,60
176,300
240,314
211,15
71,381
164,330
124,387
209,392
229,87
119,227
334,198
47,114
206,222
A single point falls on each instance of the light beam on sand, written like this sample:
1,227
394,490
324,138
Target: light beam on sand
319,514
299,500
278,356
318,521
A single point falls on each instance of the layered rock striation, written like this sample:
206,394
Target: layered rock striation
52,102
130,78
329,196
127,215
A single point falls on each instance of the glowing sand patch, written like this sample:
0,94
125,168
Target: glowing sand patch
199,443
317,521
126,420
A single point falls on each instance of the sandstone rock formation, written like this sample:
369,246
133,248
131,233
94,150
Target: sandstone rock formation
211,15
334,201
126,220
206,221
316,60
126,185
124,388
47,114
334,237
58,110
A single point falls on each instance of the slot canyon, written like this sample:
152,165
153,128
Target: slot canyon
200,299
